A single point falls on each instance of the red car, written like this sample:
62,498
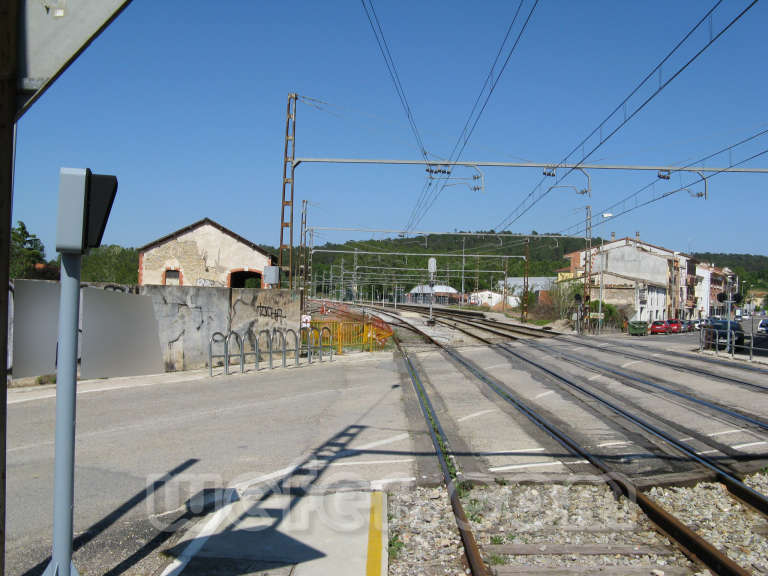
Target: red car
659,327
675,326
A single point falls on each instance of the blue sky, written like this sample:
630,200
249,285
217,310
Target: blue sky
185,102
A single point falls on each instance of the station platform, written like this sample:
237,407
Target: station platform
276,534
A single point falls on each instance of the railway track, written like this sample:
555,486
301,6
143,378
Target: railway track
694,546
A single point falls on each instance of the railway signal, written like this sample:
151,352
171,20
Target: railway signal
85,201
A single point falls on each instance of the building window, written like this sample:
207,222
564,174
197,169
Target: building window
172,278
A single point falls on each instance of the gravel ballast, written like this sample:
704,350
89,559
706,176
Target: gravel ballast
716,516
423,538
577,515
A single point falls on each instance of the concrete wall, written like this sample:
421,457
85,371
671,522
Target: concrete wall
204,256
630,261
187,316
256,310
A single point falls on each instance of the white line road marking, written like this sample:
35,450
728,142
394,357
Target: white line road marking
707,452
522,450
684,439
476,414
724,432
362,462
518,466
381,484
630,363
748,444
619,443
506,365
595,377
382,442
547,393
191,415
533,465
177,566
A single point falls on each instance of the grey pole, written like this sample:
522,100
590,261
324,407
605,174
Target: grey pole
66,390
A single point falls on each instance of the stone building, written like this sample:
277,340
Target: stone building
203,254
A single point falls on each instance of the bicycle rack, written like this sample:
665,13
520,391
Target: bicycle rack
211,355
275,332
255,351
296,349
330,342
240,354
319,341
269,341
309,346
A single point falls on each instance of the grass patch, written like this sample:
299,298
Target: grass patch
497,539
395,546
45,379
496,560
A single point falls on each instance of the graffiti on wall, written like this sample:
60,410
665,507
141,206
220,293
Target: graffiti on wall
270,312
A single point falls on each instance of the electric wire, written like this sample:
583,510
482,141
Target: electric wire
381,40
465,135
524,206
665,195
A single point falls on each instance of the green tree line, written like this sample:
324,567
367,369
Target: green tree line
112,263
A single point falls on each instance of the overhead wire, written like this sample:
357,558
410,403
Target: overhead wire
381,40
425,204
524,206
669,193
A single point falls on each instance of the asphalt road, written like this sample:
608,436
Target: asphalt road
144,446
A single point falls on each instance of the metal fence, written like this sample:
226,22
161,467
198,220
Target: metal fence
733,343
350,335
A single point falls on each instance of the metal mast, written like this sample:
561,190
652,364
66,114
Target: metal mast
524,308
587,266
286,208
302,259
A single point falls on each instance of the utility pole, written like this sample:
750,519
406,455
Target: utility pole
286,208
461,302
9,19
311,275
504,292
354,275
524,308
303,257
587,267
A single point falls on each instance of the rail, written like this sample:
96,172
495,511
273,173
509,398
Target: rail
669,524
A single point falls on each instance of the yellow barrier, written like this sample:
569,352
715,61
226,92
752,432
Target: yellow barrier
363,335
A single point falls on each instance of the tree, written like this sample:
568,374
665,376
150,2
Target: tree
26,251
111,263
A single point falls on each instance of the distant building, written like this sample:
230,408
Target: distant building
422,294
649,282
515,284
203,254
491,299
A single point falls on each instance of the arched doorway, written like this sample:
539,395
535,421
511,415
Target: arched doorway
244,279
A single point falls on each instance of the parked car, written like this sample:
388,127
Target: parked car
718,329
762,327
659,327
675,326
